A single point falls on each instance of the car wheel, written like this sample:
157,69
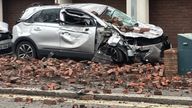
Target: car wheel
25,50
116,55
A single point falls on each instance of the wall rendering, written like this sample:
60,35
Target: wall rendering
1,10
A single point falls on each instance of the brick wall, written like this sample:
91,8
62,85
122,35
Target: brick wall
119,4
12,9
174,16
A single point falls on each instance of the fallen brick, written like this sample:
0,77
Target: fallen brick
49,102
29,100
87,97
107,91
61,100
75,106
13,79
158,92
71,81
18,99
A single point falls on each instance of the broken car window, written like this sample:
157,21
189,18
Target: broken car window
48,16
73,17
112,13
124,18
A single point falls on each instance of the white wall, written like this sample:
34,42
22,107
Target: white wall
143,10
128,7
1,10
141,7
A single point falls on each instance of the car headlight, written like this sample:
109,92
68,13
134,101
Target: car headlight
114,39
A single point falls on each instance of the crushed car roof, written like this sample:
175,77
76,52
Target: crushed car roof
89,7
99,8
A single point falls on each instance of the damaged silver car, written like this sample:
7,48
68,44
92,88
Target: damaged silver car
82,30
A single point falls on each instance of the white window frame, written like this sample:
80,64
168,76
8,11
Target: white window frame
1,10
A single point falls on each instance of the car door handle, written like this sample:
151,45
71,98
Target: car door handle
37,29
185,44
86,29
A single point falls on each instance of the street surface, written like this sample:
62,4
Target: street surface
8,101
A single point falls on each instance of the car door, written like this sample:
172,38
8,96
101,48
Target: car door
77,34
45,29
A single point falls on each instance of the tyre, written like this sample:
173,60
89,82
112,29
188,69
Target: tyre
116,55
25,50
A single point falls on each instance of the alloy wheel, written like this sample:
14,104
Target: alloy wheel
25,51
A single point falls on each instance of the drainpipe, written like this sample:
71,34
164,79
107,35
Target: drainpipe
1,10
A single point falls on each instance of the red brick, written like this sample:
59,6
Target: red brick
18,99
107,91
49,102
87,97
29,100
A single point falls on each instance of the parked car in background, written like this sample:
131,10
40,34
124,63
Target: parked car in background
81,30
5,38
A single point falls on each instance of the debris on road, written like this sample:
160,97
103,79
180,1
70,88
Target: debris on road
18,99
54,74
29,100
49,102
51,86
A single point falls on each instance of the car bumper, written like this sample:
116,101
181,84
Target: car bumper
5,46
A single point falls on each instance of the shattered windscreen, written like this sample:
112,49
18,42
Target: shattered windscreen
124,18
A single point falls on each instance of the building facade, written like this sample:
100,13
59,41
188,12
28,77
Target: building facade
174,16
11,10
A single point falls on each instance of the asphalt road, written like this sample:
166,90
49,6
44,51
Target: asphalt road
8,101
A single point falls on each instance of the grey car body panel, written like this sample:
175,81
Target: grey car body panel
77,38
78,41
58,38
45,35
81,39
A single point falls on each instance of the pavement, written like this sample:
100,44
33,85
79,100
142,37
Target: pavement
12,101
171,100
